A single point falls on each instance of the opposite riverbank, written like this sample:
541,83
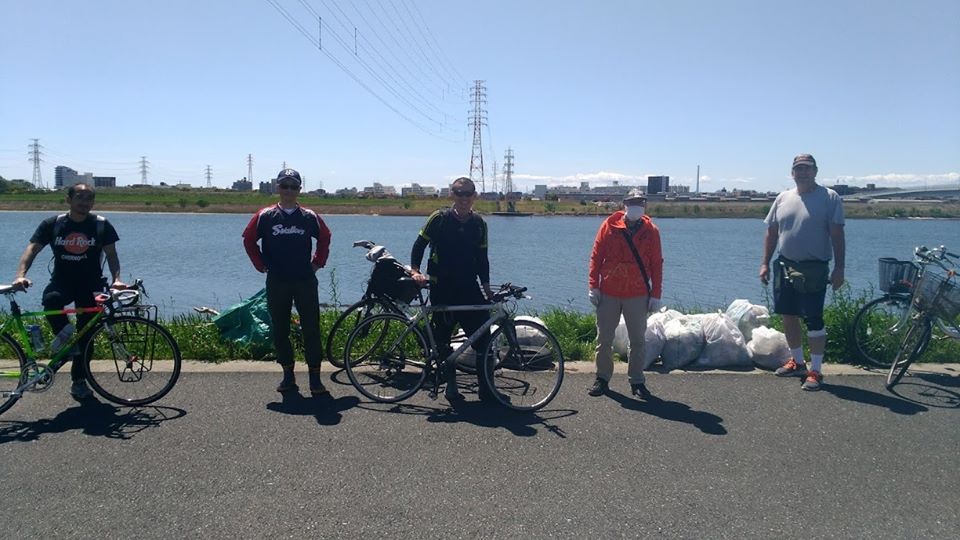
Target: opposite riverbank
230,202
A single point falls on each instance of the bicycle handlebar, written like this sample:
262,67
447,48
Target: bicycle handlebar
935,256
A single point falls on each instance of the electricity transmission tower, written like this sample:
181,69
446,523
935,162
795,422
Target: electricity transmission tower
508,172
478,119
209,177
144,167
35,158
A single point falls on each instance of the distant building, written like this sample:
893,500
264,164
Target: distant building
378,190
416,190
104,181
347,193
268,188
540,191
658,184
684,190
65,177
242,185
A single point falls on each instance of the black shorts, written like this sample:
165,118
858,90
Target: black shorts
788,301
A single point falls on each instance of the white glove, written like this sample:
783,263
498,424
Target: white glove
653,305
594,296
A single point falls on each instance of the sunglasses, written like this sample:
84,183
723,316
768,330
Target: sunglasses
463,193
293,187
84,196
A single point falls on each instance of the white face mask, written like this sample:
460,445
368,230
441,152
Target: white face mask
634,212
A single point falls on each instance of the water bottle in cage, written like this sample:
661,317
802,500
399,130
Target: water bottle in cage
61,338
36,337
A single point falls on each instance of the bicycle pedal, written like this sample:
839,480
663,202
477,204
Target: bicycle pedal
433,395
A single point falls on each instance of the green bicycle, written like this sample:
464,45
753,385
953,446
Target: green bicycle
131,360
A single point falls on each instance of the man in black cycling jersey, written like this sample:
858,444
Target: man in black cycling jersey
457,237
286,231
79,240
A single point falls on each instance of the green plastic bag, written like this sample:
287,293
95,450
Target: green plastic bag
248,324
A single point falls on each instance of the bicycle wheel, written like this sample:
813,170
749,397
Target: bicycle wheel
386,358
877,329
132,361
13,371
345,323
915,338
524,365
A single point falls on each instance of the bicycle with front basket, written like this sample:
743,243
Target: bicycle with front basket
936,298
877,329
130,359
390,356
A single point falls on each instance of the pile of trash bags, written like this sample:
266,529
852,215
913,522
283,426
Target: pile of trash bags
736,338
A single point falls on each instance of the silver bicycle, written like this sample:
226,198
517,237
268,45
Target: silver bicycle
390,356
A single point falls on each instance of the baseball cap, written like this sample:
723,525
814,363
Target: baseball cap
804,159
289,174
635,195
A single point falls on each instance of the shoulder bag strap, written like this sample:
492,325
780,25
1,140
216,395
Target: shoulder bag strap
636,255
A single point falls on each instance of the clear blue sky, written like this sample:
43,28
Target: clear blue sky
594,91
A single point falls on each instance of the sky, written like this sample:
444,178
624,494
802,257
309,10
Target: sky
356,92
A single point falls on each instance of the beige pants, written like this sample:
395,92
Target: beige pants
634,312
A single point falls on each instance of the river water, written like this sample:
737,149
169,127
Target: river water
191,260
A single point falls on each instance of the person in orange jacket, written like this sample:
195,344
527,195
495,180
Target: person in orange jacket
627,281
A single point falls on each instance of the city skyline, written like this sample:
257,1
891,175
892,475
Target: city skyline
612,92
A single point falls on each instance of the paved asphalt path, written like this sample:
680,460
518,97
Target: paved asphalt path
717,456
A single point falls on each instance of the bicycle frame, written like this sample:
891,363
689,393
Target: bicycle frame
58,357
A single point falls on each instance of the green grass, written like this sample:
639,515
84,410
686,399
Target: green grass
199,339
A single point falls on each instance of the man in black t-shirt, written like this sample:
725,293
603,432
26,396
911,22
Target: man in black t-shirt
457,237
79,240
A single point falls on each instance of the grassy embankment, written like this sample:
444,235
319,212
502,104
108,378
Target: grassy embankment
200,340
222,201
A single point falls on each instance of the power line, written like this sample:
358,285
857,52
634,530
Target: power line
391,88
439,51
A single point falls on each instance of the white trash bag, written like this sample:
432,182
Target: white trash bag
529,337
769,348
621,341
653,341
724,346
683,341
526,337
747,316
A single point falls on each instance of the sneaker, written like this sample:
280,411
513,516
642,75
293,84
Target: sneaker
640,391
289,382
316,383
80,390
599,388
791,369
812,381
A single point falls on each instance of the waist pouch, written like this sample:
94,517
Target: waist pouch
805,276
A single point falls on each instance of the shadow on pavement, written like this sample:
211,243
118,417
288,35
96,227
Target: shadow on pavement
94,418
324,408
927,395
674,411
481,414
895,404
939,379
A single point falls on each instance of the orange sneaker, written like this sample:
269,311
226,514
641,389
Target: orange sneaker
812,381
791,369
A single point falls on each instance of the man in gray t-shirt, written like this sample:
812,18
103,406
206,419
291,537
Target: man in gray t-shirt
805,225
